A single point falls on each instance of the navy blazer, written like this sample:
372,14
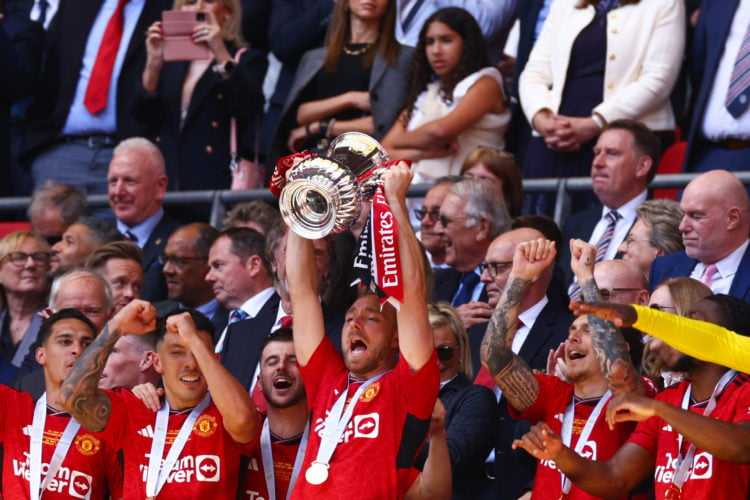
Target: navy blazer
242,344
471,426
708,46
679,264
154,284
67,38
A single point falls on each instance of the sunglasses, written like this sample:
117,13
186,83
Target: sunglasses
445,353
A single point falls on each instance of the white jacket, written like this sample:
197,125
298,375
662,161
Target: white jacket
645,45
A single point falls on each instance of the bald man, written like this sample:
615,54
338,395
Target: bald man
715,231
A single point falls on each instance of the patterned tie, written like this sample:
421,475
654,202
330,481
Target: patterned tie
97,91
237,315
603,244
738,95
466,290
708,274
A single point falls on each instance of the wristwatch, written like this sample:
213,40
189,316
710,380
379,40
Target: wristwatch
223,69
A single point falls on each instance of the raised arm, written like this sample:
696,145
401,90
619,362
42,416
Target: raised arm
609,345
415,335
435,482
81,394
303,290
511,373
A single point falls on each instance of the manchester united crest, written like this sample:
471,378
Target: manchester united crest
205,426
370,392
86,444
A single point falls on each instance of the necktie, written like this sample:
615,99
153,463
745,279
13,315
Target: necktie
130,236
603,244
286,321
708,274
466,290
411,15
237,315
43,4
738,95
101,75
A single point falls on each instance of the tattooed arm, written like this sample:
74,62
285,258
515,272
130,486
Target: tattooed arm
607,340
81,394
511,373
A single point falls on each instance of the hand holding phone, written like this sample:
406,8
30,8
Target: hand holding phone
178,28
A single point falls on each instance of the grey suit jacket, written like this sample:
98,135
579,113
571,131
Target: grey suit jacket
387,93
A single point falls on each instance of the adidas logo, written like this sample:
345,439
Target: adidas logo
147,431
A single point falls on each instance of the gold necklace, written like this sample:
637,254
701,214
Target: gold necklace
356,52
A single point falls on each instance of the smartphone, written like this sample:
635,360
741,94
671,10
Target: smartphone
177,26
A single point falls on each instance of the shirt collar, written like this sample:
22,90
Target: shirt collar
143,230
253,305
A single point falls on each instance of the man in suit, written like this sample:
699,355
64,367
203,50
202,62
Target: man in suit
21,51
77,119
715,231
719,133
472,215
185,262
625,159
241,279
137,184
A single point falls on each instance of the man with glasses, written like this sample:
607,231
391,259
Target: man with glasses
427,218
542,316
596,358
472,214
185,266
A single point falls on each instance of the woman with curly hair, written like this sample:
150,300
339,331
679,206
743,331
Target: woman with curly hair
455,100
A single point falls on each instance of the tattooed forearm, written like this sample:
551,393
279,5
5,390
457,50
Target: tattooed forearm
590,291
613,355
496,345
519,385
83,398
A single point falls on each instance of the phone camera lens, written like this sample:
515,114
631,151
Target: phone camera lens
201,16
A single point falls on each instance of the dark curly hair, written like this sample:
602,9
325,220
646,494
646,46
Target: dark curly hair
473,56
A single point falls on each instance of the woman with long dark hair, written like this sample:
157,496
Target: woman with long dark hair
455,101
353,84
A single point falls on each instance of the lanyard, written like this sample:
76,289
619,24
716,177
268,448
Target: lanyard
567,431
685,463
35,448
158,473
267,457
333,429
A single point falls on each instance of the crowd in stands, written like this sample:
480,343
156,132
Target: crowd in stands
146,353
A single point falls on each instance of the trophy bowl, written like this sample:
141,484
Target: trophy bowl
324,194
321,197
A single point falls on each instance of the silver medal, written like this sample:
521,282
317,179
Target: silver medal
317,473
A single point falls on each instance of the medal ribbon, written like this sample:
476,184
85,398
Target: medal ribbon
338,419
267,457
157,474
567,432
685,463
35,448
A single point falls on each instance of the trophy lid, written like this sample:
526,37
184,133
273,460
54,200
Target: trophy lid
358,152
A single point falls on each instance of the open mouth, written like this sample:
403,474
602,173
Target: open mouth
282,382
574,355
190,379
357,346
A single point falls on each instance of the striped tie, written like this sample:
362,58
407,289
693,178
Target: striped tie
603,244
738,96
